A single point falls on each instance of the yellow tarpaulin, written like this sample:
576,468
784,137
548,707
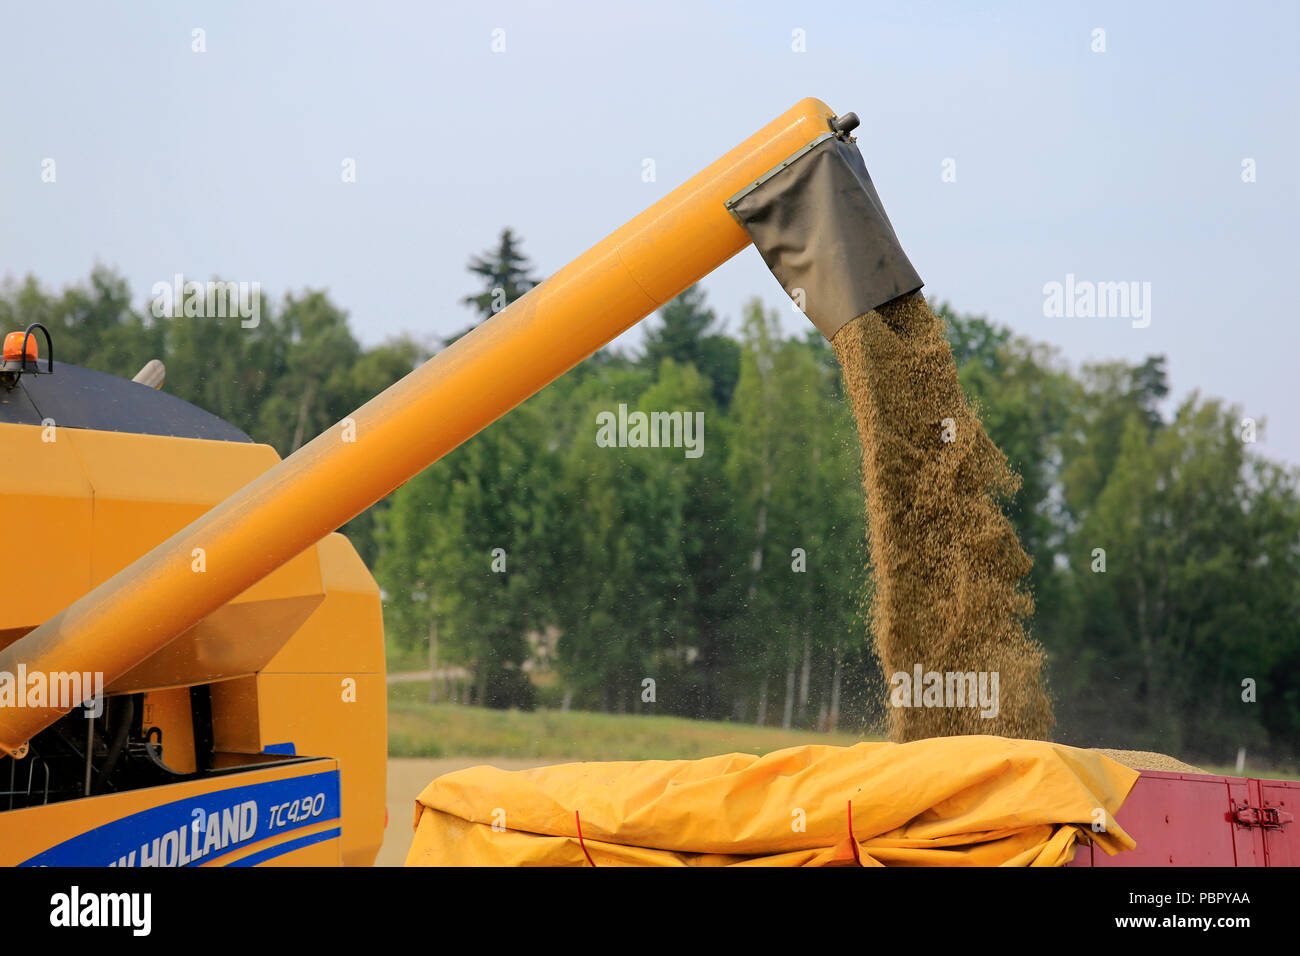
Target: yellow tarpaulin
950,801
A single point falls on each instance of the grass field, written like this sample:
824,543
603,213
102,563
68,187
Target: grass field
1265,773
417,728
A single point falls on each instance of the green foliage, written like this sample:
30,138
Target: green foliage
533,565
618,578
1200,589
688,332
505,277
794,472
417,728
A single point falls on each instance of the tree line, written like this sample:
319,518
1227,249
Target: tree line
539,566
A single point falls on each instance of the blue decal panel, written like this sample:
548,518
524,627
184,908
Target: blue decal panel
198,828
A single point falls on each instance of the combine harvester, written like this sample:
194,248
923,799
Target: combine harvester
191,583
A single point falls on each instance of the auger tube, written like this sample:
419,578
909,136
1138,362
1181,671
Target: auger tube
444,402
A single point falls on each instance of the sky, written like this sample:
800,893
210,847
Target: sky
1013,147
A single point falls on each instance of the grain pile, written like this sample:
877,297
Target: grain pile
947,564
1146,760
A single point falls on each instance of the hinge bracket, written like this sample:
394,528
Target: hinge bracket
1266,817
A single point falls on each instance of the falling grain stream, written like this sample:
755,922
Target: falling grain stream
948,568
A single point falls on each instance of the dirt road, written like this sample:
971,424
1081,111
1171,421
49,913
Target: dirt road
407,776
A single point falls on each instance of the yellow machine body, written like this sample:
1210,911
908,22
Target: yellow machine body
295,664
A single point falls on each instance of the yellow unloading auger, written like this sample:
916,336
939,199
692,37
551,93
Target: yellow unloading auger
798,189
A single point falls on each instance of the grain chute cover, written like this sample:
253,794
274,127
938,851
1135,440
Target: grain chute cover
822,230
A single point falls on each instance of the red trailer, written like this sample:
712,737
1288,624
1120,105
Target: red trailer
1201,819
